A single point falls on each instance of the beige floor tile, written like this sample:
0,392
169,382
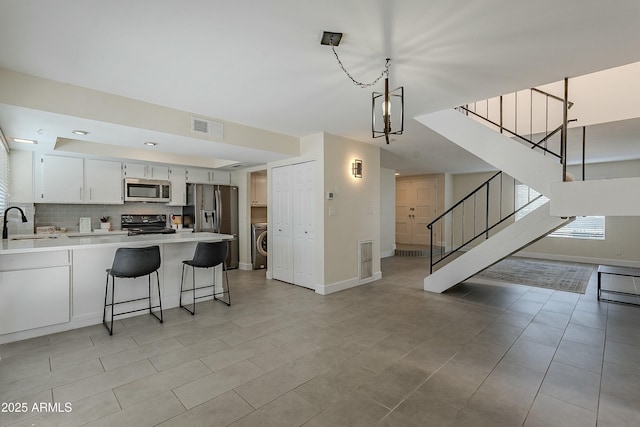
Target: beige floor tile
513,384
272,359
394,384
148,413
530,355
580,356
11,392
148,387
542,334
574,385
230,356
584,335
103,348
104,381
484,410
16,416
548,411
195,351
217,412
615,411
288,410
201,390
354,410
623,354
126,357
16,367
621,381
274,384
420,410
78,413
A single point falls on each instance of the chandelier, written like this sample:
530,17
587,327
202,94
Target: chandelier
382,103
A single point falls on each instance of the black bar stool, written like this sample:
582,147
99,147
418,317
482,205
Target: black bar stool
207,255
132,263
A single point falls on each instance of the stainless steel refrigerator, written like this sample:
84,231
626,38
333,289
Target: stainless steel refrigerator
214,208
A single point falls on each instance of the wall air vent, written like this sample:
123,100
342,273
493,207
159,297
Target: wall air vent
365,258
207,127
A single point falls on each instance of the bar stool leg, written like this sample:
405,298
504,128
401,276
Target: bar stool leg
159,297
182,290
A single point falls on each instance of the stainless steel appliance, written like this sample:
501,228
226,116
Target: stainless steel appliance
259,245
214,208
146,190
145,224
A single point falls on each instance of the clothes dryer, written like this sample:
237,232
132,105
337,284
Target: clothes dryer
259,245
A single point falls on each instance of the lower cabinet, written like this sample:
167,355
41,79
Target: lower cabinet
34,292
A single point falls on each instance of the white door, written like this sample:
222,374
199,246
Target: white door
61,180
281,232
103,182
303,228
416,207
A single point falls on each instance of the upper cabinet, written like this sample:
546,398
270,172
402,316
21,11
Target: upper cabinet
103,182
62,179
143,171
178,179
207,176
259,189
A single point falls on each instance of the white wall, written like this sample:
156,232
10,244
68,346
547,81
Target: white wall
356,206
387,212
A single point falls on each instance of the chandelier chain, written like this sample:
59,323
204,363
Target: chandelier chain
384,73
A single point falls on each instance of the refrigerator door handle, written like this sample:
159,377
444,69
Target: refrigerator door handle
218,211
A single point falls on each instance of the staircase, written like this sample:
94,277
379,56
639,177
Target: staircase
490,211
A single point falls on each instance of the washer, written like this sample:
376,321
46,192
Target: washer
259,245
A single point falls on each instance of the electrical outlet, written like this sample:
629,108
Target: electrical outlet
618,251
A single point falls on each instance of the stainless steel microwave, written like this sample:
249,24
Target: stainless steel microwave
146,190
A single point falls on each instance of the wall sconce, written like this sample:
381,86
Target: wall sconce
356,168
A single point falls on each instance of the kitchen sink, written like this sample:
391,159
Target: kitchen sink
32,237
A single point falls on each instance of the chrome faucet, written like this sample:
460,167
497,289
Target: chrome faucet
5,233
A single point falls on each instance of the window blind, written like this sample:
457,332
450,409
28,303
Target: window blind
4,174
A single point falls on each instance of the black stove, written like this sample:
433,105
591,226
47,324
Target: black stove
145,224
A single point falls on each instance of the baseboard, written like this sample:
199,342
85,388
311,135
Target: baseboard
345,284
245,266
387,254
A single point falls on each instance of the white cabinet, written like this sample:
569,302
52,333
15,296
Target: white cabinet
292,245
259,189
21,176
103,182
208,176
178,179
62,179
36,289
144,171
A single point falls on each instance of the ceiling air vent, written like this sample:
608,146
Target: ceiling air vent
207,127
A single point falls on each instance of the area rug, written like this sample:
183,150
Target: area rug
557,275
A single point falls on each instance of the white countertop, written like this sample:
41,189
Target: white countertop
46,243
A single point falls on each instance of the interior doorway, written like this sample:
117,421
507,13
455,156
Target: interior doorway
416,206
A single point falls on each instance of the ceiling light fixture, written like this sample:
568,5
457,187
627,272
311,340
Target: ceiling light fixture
150,143
381,102
80,132
25,141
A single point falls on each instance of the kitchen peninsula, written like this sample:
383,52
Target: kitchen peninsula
54,283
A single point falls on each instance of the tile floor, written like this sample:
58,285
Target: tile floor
386,354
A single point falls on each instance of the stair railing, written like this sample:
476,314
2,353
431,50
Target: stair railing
544,113
481,211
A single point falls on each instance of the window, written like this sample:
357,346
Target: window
583,227
4,174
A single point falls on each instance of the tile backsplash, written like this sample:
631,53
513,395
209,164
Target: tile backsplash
68,216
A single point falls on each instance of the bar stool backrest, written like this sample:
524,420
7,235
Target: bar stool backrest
209,254
135,262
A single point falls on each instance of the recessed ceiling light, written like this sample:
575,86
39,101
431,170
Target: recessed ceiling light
25,141
151,143
80,132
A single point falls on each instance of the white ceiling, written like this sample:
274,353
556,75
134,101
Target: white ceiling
260,63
